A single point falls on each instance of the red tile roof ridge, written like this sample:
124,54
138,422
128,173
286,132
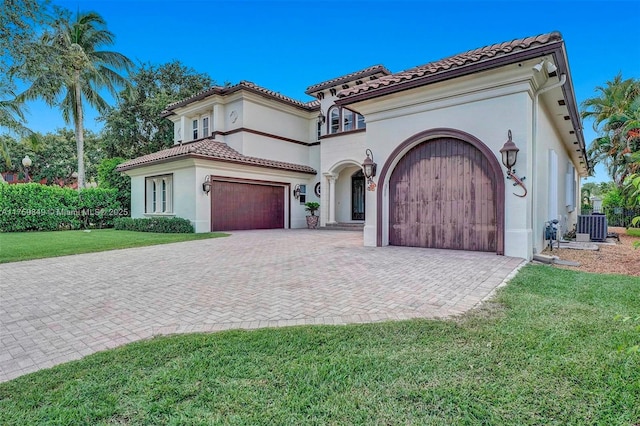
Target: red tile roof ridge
454,61
211,149
252,85
356,74
243,84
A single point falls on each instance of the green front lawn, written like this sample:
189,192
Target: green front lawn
16,246
545,352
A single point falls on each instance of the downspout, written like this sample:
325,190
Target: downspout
534,140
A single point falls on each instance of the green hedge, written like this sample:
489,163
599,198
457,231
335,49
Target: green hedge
35,207
165,225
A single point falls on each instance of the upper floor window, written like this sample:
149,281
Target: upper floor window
334,120
360,124
344,120
205,127
347,120
195,129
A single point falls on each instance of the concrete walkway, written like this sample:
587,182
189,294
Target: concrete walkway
57,310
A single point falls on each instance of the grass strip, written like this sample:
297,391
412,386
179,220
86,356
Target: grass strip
18,246
544,351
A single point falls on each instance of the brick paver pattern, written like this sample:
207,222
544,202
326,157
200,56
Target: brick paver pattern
61,309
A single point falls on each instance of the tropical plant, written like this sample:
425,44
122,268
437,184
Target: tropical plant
66,68
135,126
19,20
616,117
312,207
109,177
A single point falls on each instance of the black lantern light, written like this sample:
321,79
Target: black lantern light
509,153
368,166
206,185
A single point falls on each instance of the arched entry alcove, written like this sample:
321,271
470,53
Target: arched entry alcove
345,193
442,188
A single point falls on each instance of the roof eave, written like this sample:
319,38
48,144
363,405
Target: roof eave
340,80
554,48
205,157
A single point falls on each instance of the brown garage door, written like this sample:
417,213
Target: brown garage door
442,194
236,206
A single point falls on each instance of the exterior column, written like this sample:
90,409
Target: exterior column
183,130
332,197
217,122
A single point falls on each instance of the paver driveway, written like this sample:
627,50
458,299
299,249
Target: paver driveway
57,310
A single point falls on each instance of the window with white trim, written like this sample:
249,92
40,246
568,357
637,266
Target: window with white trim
159,191
205,127
344,120
195,129
347,120
570,188
334,120
303,194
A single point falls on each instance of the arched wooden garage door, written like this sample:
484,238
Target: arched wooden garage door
442,194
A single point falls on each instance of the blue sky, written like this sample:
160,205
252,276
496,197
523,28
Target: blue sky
287,46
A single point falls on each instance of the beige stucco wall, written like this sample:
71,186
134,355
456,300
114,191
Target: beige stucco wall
486,106
340,156
183,187
190,202
548,139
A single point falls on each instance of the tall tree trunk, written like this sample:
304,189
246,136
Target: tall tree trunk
79,128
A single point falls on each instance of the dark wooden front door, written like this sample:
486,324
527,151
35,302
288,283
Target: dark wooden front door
236,206
357,196
442,194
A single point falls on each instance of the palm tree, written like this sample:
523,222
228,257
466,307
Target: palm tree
66,68
616,118
12,118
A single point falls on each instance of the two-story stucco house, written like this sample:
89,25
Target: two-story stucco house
246,157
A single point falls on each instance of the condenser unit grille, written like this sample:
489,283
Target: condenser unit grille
595,225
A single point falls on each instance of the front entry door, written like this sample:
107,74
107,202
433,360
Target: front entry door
357,196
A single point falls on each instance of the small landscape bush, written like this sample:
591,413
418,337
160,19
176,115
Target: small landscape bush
36,207
166,225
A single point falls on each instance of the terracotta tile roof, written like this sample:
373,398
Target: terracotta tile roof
213,150
349,77
487,53
246,85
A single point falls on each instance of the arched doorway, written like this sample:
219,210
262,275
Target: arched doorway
446,190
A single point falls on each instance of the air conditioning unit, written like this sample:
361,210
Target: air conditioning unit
594,224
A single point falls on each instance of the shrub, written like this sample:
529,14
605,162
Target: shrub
35,207
613,198
109,177
166,225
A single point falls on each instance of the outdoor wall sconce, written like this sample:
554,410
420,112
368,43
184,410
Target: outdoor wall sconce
206,185
369,169
296,192
26,163
321,117
509,153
